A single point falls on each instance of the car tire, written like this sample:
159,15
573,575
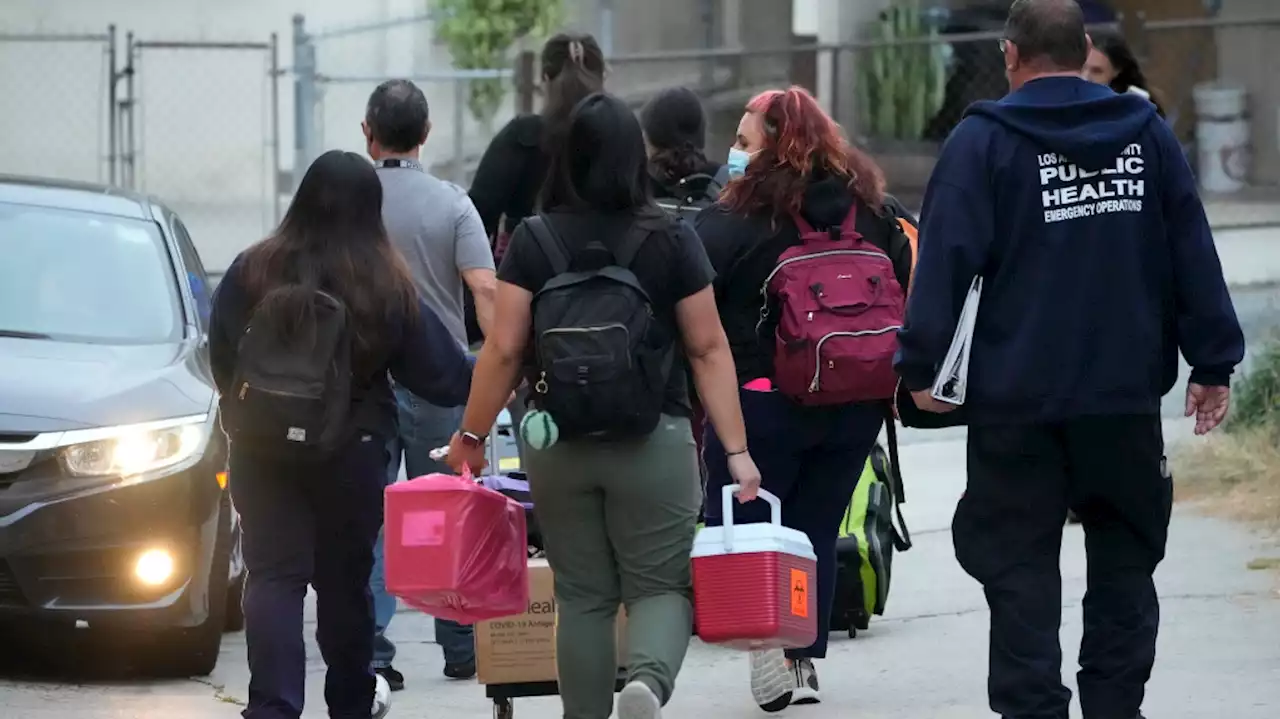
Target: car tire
193,651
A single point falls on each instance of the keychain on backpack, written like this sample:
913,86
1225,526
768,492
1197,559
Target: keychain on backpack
538,429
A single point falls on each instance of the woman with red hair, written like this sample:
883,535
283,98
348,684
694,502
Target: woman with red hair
791,161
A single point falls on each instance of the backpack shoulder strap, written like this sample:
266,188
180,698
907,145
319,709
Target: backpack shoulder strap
549,242
631,243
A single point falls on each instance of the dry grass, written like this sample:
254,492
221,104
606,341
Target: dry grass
1234,475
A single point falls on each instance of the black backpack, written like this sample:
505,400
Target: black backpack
600,358
292,395
690,196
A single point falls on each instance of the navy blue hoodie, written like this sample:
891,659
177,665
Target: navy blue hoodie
1077,207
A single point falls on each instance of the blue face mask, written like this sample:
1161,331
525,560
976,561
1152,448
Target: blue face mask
738,161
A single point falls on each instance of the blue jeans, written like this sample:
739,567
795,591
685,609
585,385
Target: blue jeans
423,427
811,458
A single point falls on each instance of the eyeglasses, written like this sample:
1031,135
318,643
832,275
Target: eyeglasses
1004,44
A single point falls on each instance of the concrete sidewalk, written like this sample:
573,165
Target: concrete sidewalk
1219,651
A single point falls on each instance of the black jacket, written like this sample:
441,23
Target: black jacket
422,356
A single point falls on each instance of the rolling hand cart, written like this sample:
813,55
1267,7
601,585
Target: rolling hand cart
504,695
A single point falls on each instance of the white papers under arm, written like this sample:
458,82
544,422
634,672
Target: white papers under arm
953,376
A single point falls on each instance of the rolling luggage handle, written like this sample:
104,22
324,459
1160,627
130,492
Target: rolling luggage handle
726,509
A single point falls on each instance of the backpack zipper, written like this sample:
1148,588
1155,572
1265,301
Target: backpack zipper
541,387
244,389
826,253
817,370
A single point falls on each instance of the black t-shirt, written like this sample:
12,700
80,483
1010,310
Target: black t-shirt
670,266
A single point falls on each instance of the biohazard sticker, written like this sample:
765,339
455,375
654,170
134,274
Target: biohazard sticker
800,593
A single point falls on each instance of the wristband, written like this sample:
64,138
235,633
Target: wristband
735,454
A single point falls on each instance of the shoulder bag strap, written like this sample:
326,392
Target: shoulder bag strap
901,535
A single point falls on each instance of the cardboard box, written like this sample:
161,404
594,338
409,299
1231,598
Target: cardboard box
522,648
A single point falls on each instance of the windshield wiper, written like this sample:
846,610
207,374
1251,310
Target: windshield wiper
19,334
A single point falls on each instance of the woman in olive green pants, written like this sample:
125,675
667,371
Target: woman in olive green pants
618,517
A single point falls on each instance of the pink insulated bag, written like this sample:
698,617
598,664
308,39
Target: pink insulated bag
455,549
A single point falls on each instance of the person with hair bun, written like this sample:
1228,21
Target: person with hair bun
791,160
675,132
514,167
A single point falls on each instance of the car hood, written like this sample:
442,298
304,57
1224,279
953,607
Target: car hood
48,386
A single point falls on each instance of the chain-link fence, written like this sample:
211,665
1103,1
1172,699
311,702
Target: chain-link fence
336,69
57,93
901,97
210,148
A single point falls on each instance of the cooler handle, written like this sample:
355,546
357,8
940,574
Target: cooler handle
726,509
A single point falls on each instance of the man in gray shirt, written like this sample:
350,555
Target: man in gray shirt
440,234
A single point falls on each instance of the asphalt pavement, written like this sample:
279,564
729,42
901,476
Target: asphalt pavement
1219,648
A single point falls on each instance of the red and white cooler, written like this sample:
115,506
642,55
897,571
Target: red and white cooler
755,585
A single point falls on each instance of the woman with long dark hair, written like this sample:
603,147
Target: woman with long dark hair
790,160
1112,63
675,131
312,516
617,509
510,176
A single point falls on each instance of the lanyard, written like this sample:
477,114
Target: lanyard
400,162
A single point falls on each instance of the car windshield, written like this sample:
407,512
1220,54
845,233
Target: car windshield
82,277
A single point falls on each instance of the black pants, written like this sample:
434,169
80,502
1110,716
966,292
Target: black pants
312,525
1008,535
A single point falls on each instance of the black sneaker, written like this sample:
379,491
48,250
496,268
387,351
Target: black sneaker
806,683
460,670
395,679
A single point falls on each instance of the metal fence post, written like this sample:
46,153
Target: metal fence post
113,132
526,81
606,28
459,131
128,140
304,97
275,128
708,18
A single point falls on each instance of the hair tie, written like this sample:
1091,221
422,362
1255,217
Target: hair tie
575,51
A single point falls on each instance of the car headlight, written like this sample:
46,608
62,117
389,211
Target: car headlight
136,449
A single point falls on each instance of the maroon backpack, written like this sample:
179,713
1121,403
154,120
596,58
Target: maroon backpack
840,308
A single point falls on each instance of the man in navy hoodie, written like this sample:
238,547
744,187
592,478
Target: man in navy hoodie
1076,206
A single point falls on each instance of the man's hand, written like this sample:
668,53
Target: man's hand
1208,405
926,403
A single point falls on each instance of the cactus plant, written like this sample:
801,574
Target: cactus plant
902,78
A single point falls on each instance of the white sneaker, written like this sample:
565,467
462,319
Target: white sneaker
772,681
805,682
381,697
637,701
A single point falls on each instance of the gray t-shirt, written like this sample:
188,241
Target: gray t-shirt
439,232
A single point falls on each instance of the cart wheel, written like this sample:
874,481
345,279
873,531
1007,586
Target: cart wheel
503,709
853,632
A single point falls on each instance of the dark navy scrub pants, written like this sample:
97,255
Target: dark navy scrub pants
811,458
312,525
1008,530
